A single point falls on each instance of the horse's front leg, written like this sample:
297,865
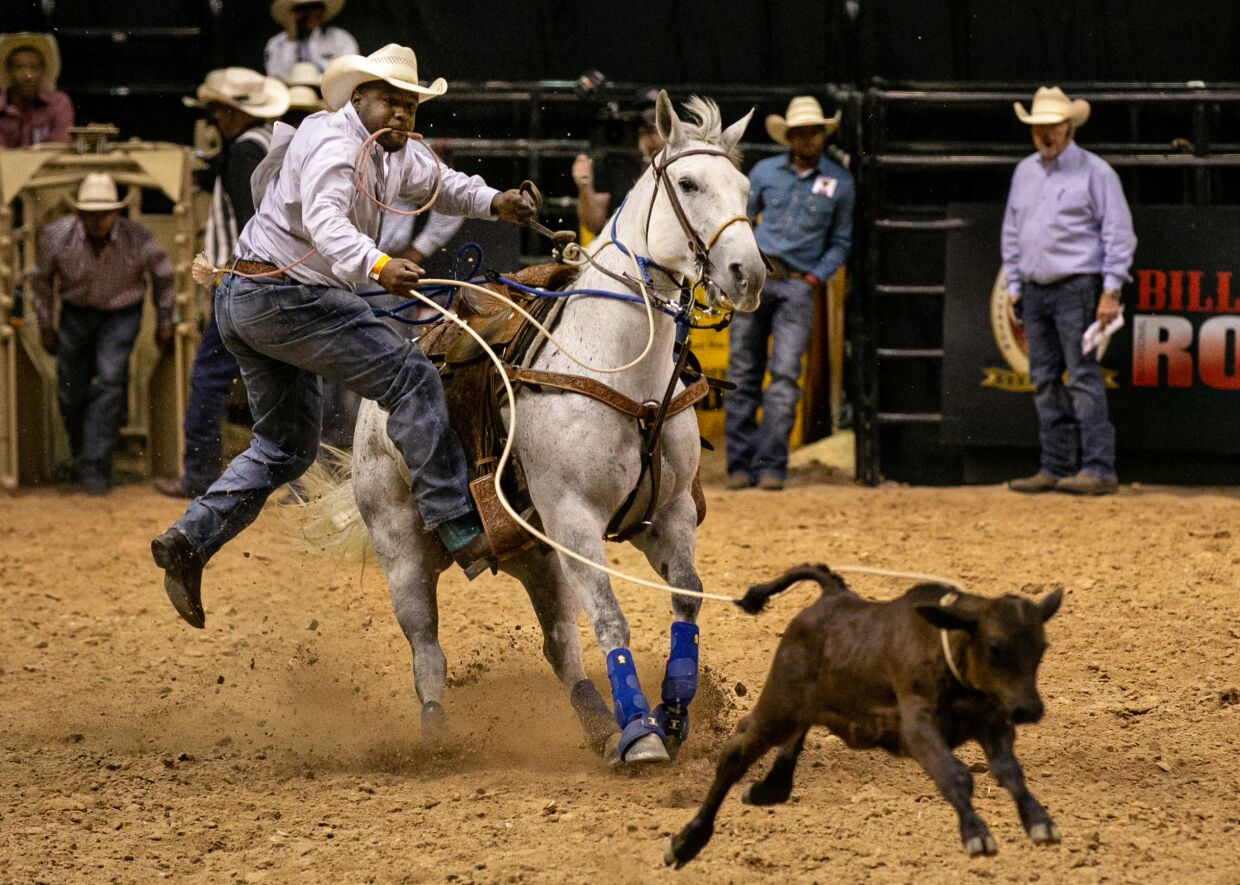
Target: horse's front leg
669,546
579,527
557,608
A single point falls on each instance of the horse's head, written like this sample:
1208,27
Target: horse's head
697,224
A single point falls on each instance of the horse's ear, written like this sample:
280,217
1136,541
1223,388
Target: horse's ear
665,119
731,136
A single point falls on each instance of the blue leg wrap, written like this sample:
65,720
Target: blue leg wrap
680,679
632,710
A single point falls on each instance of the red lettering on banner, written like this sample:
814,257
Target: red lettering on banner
1176,299
1194,294
1212,352
1223,289
1151,290
1158,338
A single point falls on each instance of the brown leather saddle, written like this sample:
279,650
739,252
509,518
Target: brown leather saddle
474,393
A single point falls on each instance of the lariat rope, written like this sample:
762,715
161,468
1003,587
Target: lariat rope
204,272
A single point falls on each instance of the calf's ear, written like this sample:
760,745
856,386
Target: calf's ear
1050,604
946,618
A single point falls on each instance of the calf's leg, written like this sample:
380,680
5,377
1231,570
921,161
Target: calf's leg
776,787
753,737
998,745
925,744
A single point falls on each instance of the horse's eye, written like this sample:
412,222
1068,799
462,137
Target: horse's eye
688,185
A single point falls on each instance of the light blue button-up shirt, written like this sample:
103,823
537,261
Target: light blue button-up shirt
807,218
1066,218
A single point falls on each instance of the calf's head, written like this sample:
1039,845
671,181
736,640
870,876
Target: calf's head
1006,642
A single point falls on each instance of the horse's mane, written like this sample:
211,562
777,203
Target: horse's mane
705,124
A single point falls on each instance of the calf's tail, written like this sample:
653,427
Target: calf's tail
756,597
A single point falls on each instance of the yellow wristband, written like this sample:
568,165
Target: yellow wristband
378,268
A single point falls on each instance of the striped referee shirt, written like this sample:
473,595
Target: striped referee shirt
115,278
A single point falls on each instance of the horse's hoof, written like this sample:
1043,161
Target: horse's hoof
1044,834
981,845
646,749
434,722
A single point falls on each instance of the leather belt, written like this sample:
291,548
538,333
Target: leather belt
780,271
241,265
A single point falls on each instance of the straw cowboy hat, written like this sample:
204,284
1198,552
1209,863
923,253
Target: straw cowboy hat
44,44
282,10
97,193
303,82
803,110
1051,106
243,89
392,64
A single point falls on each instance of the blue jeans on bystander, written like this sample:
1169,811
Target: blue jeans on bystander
92,377
784,319
209,382
1055,317
286,335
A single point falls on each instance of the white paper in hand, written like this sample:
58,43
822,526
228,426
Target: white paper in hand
1096,337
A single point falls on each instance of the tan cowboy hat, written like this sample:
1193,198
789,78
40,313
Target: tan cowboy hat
282,10
1051,106
243,89
392,64
44,44
97,193
803,110
303,82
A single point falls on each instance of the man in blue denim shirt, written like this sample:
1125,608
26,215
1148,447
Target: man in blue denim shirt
1067,247
309,248
806,204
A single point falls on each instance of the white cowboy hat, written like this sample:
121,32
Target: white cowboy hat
44,44
303,81
1051,106
243,89
803,110
282,10
97,193
392,64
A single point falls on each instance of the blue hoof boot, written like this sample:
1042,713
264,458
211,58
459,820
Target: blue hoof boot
641,741
679,683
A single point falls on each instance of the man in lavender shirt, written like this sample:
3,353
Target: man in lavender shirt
1067,247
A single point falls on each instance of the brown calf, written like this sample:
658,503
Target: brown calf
919,675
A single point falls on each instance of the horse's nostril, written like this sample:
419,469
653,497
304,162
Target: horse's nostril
738,272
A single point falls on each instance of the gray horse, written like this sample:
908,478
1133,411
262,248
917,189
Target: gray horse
581,458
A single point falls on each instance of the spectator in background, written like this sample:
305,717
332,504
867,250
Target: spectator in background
32,111
602,185
241,103
102,264
304,96
304,38
1067,247
806,205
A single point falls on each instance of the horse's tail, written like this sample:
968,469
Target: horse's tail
756,597
331,524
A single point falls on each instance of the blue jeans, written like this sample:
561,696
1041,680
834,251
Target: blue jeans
1055,318
209,382
286,335
784,317
92,376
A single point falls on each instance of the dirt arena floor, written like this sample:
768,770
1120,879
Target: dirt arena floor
281,743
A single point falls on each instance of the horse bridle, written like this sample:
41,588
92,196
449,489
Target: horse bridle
700,249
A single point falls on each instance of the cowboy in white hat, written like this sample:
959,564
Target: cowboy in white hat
1067,249
805,203
101,265
313,240
32,111
241,104
305,37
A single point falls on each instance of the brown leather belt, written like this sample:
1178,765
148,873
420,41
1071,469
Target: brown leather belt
780,271
241,265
